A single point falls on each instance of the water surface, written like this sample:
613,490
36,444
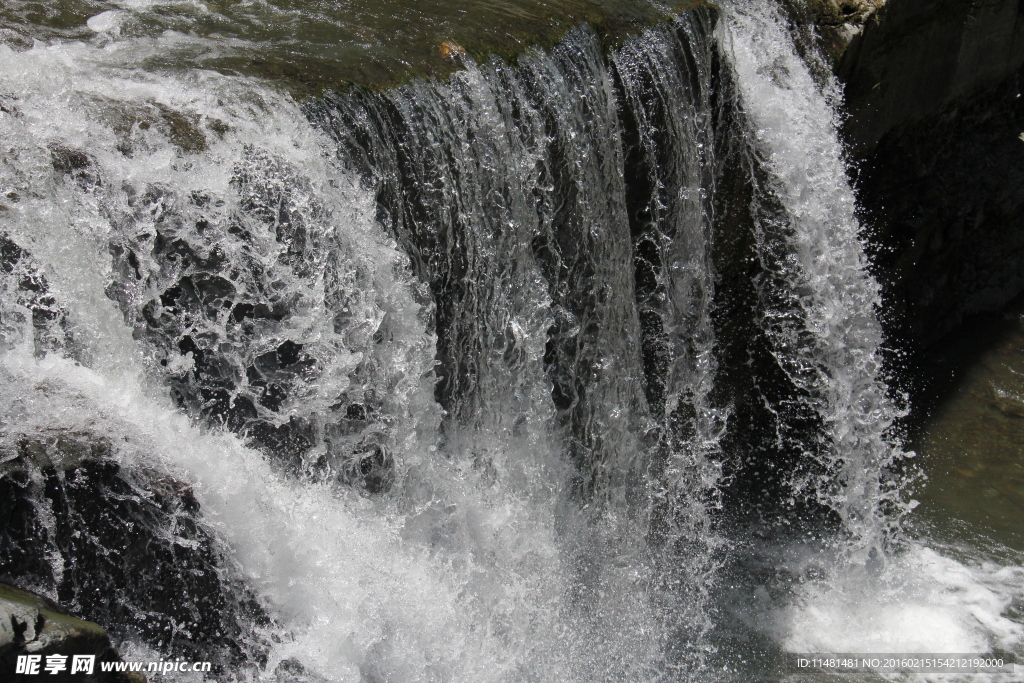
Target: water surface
311,44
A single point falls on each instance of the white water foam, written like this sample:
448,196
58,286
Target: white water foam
923,602
438,590
154,146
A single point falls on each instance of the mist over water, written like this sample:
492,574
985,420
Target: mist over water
444,370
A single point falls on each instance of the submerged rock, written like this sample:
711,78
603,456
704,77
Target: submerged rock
31,624
1008,402
27,307
452,51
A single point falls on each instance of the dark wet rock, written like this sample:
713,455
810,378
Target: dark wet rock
31,624
830,25
125,549
69,160
1007,401
28,307
292,671
373,468
945,201
183,129
131,123
916,57
62,452
935,117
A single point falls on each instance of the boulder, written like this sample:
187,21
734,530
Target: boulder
122,547
31,624
831,25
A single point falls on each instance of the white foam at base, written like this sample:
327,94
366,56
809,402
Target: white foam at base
922,602
106,22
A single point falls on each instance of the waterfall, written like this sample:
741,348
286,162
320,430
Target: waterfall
819,303
565,202
255,332
864,585
478,378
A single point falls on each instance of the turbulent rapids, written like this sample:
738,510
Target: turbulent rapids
561,370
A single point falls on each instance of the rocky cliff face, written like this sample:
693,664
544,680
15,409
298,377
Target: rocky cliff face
933,92
934,124
916,58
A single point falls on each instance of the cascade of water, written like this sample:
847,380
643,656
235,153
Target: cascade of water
422,384
244,269
818,300
667,82
507,186
817,306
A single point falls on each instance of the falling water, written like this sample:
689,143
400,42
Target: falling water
434,382
819,300
865,585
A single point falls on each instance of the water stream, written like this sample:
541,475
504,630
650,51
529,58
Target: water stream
564,368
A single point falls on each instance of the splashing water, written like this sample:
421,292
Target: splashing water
825,335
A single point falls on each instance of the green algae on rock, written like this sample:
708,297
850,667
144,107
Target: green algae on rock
33,624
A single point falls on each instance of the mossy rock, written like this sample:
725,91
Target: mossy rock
31,624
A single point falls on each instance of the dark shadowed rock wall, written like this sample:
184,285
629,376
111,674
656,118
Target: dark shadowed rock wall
935,125
916,58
